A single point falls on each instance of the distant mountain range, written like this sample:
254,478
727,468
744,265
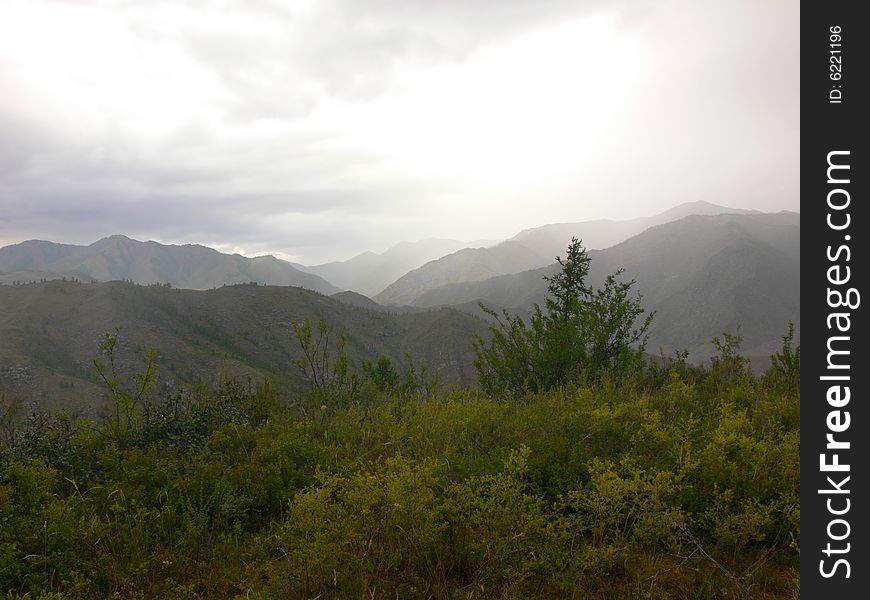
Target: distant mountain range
703,275
118,257
470,264
703,269
551,240
50,332
395,277
529,249
369,273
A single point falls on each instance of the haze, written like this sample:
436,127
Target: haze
321,130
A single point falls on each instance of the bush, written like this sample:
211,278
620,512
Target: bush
681,484
582,333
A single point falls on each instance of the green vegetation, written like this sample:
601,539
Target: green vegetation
609,477
666,483
585,333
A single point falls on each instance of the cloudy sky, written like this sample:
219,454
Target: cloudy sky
317,129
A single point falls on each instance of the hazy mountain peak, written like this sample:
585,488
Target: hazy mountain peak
702,274
120,257
421,244
531,248
369,273
701,207
115,239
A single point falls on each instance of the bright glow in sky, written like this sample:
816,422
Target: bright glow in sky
328,128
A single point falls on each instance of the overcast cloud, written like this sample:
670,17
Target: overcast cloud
331,127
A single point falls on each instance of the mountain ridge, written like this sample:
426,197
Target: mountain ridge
118,257
697,273
50,332
531,248
368,273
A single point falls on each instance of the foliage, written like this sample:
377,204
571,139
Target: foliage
582,333
416,380
325,369
334,381
673,482
124,402
785,365
728,362
382,374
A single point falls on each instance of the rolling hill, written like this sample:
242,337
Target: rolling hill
50,332
118,257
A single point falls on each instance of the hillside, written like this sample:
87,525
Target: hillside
118,257
529,249
470,264
28,276
551,240
369,273
50,332
702,275
358,300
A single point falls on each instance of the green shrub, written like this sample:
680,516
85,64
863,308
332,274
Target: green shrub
581,333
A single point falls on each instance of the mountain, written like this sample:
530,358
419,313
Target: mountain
470,264
34,254
50,332
358,300
551,240
702,274
529,249
369,273
707,275
118,257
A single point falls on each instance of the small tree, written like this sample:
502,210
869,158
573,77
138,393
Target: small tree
581,331
125,403
382,374
728,363
785,365
415,380
327,370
